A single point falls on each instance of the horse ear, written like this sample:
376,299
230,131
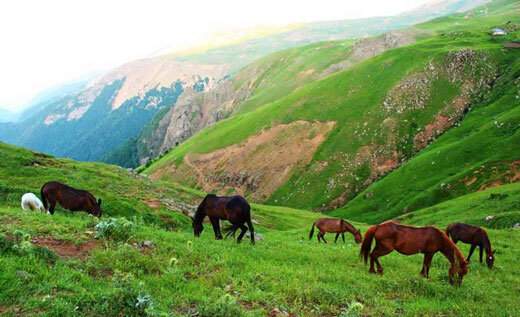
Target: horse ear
99,202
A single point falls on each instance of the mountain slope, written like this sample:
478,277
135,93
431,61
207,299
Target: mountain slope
383,110
8,116
480,153
142,88
257,84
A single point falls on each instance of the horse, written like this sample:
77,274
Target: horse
235,209
69,198
474,235
338,226
410,240
31,202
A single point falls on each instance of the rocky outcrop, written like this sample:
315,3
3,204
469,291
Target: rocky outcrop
373,46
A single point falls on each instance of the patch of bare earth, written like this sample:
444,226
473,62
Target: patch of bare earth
261,163
492,175
65,249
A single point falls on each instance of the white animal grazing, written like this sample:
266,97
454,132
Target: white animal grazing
31,202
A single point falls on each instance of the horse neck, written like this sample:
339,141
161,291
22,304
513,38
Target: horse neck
200,213
486,242
450,250
350,228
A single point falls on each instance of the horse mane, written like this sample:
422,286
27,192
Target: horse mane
200,213
350,227
451,244
486,241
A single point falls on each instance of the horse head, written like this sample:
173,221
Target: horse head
95,208
197,227
463,270
490,258
357,236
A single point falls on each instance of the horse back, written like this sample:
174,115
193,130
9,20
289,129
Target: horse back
329,224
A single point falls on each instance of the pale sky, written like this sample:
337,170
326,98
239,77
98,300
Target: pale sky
44,43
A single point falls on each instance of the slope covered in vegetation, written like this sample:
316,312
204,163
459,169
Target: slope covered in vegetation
72,263
385,110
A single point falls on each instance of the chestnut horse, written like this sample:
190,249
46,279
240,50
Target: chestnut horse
235,209
338,226
474,235
69,198
410,240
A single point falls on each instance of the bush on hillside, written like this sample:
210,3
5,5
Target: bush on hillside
117,229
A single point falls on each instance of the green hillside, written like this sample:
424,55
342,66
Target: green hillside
65,265
386,110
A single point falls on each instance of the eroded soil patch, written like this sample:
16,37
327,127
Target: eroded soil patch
261,163
65,249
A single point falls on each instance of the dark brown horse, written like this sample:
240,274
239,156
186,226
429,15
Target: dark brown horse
474,235
69,198
235,209
410,240
338,226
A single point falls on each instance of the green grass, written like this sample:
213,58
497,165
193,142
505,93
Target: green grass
286,272
183,275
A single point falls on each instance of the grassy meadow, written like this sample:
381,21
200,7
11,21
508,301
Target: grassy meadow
67,264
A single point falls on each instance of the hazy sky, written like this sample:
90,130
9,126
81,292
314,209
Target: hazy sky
48,42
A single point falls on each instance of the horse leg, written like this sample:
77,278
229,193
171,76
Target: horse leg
425,271
241,235
323,236
337,236
473,246
216,227
343,236
379,251
251,231
480,253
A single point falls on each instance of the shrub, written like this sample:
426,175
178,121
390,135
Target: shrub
117,229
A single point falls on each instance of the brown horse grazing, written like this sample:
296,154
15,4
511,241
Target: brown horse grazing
338,226
474,235
410,240
69,198
235,209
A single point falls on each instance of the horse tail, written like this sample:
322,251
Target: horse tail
231,230
367,243
44,200
312,231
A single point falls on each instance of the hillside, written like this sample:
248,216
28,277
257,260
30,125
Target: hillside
263,81
274,76
357,125
63,264
116,106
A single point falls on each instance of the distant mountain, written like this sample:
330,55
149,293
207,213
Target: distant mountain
88,121
8,116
